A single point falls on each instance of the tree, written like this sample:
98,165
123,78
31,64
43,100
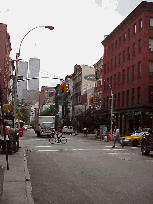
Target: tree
50,111
23,111
75,122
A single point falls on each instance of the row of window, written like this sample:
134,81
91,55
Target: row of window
110,65
119,99
125,76
119,41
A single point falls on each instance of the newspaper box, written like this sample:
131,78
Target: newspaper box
108,136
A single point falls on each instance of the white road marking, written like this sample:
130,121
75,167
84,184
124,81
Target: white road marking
37,139
107,149
43,146
47,150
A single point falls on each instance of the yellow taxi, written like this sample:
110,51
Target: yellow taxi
134,139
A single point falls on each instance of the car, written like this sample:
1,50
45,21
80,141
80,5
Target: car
147,143
25,127
134,139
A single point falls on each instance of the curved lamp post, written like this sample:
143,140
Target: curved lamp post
16,70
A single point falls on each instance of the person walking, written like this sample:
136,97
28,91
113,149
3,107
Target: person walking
117,137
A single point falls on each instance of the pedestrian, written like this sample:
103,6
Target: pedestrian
85,131
2,134
117,137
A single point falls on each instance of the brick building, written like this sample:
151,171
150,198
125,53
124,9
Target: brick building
5,66
128,70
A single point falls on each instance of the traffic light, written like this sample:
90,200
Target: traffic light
66,88
91,100
10,107
5,108
62,88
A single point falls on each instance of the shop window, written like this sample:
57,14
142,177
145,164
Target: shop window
139,92
150,94
150,69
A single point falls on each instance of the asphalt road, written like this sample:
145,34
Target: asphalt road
85,171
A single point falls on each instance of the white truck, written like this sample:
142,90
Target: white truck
67,130
44,125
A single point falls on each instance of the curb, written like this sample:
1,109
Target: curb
27,181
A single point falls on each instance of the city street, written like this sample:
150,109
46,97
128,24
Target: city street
87,171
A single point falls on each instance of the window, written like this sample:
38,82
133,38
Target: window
104,103
119,78
105,53
112,47
139,69
119,59
108,50
128,52
122,98
118,100
111,64
129,33
115,61
114,103
127,98
133,50
133,72
134,29
133,93
120,41
128,74
139,46
107,83
150,94
124,56
138,98
150,69
107,67
151,44
111,79
140,24
123,76
124,37
151,21
115,44
104,85
114,80
107,102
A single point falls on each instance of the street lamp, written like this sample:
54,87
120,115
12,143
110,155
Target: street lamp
16,70
111,110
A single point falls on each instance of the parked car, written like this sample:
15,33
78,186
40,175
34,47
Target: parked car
147,143
134,139
25,127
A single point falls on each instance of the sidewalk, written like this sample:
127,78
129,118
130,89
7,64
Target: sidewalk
16,183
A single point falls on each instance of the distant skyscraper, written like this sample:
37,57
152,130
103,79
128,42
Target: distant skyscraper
22,71
34,68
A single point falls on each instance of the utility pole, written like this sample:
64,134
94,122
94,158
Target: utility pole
111,114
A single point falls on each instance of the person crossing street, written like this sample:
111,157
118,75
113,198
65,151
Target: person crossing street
117,137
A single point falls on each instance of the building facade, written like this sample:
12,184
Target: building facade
5,64
128,71
34,69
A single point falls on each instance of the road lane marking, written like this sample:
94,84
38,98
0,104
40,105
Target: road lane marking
47,150
43,146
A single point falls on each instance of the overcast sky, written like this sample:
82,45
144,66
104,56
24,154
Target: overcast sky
80,26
